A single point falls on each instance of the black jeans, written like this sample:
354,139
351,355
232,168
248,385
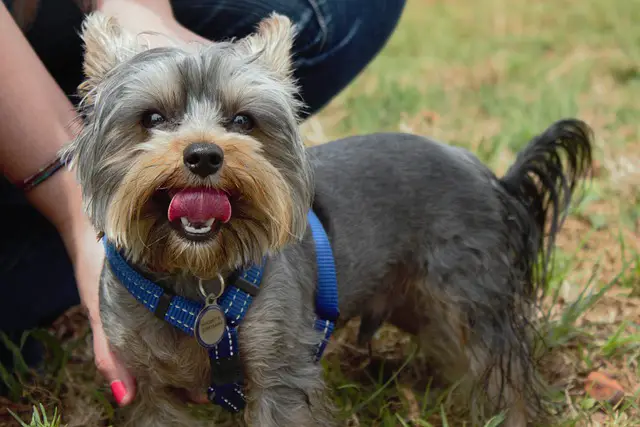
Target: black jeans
336,40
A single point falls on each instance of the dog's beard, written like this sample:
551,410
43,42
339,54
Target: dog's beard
263,215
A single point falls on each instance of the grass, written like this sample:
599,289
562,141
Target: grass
487,76
39,418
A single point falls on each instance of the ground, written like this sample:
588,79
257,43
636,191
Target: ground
487,76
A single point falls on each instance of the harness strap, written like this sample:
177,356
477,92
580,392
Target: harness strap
226,373
327,284
226,368
174,309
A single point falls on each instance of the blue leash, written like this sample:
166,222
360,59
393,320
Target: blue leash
226,388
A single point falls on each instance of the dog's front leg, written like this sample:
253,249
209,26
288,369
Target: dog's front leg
289,405
278,344
155,406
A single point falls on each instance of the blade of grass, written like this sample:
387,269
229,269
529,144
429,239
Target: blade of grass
359,407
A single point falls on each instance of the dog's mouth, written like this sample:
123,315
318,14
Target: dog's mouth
196,213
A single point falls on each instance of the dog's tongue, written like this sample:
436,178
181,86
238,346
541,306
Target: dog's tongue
199,205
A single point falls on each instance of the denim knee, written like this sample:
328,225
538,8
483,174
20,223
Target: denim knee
351,34
335,39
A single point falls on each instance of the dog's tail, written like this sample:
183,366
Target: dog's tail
542,186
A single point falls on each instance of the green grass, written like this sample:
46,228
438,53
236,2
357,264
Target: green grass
39,418
486,75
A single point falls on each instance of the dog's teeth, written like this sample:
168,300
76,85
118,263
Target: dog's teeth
193,230
188,227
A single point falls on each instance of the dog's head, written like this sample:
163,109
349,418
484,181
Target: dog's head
190,159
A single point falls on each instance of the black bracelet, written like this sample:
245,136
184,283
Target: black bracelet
39,177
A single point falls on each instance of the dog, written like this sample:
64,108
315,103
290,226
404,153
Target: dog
192,166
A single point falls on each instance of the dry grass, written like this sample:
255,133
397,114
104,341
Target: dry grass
488,76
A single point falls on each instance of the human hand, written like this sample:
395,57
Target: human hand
87,255
152,21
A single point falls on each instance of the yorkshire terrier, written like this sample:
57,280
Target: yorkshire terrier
192,166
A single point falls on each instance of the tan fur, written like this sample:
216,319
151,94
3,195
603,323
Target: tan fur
458,357
461,358
479,365
273,41
106,45
260,187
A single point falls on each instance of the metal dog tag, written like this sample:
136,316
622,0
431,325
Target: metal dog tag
211,323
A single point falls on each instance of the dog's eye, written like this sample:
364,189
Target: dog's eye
152,119
242,123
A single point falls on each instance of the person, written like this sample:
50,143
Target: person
50,258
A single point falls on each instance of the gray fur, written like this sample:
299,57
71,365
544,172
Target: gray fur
200,91
424,236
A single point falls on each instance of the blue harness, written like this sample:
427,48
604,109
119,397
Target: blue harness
226,389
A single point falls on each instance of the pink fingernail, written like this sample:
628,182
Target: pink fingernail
119,391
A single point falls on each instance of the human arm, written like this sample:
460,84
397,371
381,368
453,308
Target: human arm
36,120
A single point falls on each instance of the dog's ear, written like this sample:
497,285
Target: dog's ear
272,43
106,45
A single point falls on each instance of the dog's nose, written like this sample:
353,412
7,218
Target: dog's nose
203,159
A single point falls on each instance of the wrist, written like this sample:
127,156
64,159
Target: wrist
60,200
